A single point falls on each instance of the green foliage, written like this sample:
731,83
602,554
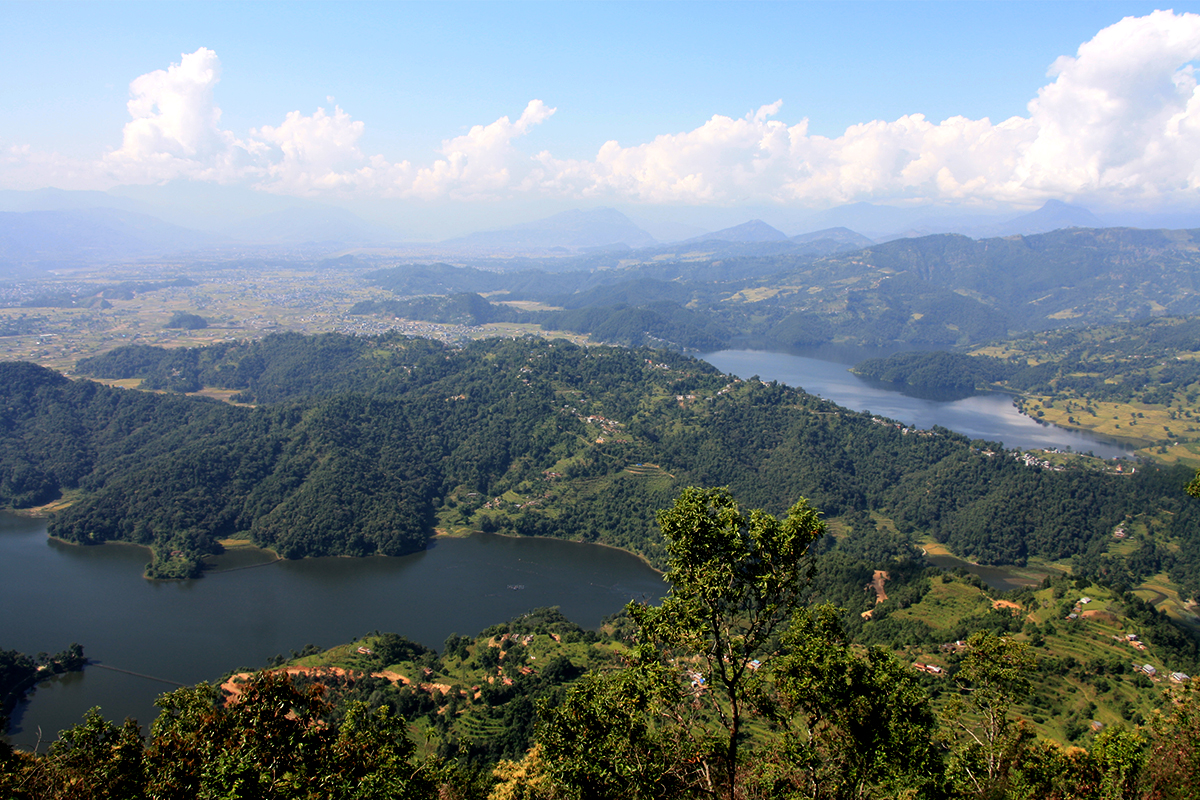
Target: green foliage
271,742
735,578
861,725
603,741
95,760
658,324
19,672
1172,766
995,673
456,309
391,648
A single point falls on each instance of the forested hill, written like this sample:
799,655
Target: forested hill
1081,275
363,445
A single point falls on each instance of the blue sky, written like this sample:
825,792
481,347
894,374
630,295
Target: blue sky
402,85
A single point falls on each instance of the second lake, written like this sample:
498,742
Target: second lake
984,415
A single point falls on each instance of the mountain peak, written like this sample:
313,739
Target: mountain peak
1054,214
753,231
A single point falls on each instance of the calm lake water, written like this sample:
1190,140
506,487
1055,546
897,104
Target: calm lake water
984,415
191,631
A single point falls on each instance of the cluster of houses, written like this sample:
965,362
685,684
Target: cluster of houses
1150,671
608,427
1078,609
1031,460
902,428
658,365
729,386
1132,640
499,502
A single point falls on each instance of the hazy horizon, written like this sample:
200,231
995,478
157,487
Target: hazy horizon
437,120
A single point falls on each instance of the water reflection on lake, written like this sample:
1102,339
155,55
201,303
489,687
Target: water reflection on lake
985,415
188,631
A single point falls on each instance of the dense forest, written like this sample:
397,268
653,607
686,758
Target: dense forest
359,445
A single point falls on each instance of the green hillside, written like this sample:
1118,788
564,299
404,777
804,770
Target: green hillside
357,445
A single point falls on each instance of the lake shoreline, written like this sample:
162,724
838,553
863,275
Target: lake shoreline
441,533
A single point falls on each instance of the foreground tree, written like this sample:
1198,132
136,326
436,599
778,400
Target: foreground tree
612,738
94,760
272,741
735,579
1172,765
994,674
860,725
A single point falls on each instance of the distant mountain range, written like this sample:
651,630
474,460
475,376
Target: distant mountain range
89,234
1054,215
51,225
942,290
565,232
311,225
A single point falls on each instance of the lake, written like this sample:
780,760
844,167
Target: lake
184,632
982,415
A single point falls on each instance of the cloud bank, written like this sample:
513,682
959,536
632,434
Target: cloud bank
1118,125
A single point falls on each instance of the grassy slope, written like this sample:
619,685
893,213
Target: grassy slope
1081,661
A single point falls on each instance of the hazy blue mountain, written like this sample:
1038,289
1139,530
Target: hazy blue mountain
229,212
90,234
597,227
1162,219
840,235
1069,276
1054,215
753,231
209,206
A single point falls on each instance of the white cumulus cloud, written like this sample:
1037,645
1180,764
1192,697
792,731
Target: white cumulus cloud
175,131
1118,124
313,153
483,162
